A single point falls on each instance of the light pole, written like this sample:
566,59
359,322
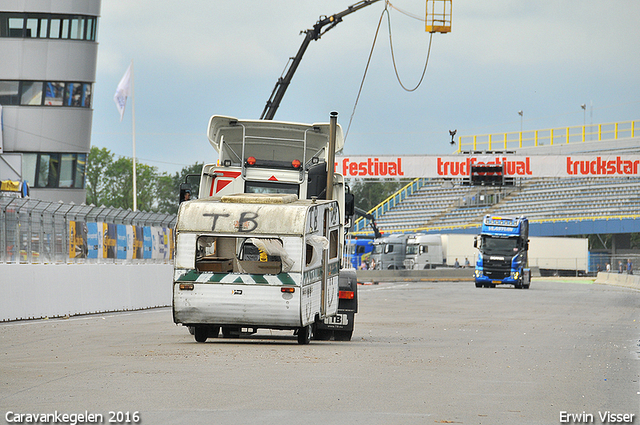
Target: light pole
521,114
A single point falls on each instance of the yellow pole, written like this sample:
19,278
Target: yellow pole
475,143
551,136
489,142
520,139
567,135
535,138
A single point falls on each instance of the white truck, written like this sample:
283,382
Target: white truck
264,231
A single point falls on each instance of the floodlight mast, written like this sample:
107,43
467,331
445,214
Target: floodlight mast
311,34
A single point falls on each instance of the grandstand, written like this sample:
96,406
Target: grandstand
575,205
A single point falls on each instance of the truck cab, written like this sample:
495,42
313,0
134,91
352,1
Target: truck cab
503,246
423,252
388,252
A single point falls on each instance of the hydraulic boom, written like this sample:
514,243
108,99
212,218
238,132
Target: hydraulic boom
311,34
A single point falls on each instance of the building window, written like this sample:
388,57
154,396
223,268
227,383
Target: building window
9,92
31,93
41,25
54,170
55,93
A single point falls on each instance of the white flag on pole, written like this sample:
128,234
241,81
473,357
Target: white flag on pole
123,91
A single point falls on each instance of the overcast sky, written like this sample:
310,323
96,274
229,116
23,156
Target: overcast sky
197,58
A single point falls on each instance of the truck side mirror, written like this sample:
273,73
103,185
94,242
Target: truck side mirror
475,241
349,204
185,192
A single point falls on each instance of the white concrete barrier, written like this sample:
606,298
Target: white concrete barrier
33,291
618,279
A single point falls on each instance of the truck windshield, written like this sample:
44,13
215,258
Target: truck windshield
378,248
506,246
412,249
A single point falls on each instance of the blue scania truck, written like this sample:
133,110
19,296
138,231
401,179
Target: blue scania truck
503,244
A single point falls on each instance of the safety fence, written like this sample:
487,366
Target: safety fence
549,137
43,232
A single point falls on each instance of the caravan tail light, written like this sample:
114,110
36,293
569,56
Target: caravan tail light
288,290
345,295
296,163
251,160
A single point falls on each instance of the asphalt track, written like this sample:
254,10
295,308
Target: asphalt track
422,352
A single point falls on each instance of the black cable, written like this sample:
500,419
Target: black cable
394,62
365,73
424,71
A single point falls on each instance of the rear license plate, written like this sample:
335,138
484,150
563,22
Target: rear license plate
338,319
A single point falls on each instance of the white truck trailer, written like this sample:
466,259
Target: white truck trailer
557,255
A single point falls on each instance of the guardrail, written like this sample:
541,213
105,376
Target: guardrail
42,232
549,137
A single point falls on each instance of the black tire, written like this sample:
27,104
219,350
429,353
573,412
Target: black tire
478,285
201,333
342,335
304,335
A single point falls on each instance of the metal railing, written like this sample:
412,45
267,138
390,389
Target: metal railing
549,137
362,223
43,232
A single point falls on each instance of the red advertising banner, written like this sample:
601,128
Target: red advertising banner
458,166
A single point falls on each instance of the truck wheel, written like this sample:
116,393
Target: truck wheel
478,285
201,333
304,335
342,335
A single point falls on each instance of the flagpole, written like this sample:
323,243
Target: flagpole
133,123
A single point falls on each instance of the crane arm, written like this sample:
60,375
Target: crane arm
372,221
311,34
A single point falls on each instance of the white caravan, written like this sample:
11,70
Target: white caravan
250,261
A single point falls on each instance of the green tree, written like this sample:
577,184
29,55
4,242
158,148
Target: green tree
97,186
110,183
369,193
167,196
120,177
